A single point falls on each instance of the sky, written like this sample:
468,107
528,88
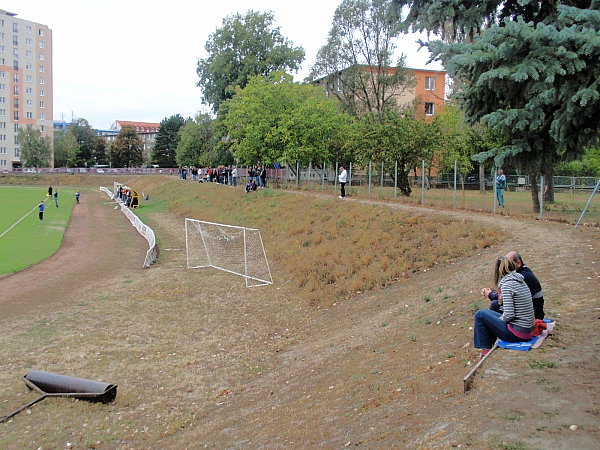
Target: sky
136,59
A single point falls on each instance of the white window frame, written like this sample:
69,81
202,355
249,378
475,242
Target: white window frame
432,111
430,83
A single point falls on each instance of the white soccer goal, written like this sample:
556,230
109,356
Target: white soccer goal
237,250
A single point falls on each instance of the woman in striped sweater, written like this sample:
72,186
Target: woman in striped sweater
515,324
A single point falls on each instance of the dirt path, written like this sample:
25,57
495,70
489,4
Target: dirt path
94,234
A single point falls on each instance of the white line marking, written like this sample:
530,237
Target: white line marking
17,222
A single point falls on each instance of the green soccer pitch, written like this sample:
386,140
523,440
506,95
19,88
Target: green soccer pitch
31,240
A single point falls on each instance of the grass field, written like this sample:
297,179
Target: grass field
31,240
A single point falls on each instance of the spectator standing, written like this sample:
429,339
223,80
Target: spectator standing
343,178
234,176
500,186
263,177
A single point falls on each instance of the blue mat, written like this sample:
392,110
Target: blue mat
525,345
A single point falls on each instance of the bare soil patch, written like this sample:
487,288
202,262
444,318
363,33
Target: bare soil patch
262,369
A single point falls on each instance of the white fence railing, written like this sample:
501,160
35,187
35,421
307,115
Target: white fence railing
141,227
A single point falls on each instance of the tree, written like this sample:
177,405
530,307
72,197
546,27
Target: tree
357,60
65,149
167,140
126,149
100,156
587,166
393,137
530,71
86,140
35,149
244,46
274,119
197,138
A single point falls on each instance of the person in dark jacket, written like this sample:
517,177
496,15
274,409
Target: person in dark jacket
532,282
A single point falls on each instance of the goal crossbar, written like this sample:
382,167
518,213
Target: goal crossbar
230,248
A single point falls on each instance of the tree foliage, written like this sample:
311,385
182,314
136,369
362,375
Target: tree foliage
244,46
65,149
197,140
100,156
35,149
530,71
86,140
274,119
167,140
126,149
357,60
587,166
394,137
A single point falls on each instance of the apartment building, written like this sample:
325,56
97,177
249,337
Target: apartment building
26,96
427,91
146,131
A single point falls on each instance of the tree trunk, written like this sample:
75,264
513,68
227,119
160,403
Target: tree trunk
535,197
549,185
481,179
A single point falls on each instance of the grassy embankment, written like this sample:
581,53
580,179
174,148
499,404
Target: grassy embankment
330,249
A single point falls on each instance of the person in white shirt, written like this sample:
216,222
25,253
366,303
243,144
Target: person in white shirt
342,178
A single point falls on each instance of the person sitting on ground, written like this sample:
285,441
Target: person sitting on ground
532,282
515,324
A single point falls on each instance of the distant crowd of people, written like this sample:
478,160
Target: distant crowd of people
127,197
226,175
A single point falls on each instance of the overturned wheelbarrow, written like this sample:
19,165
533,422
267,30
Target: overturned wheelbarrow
49,384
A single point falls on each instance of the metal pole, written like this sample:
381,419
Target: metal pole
309,173
396,179
297,175
423,182
369,177
455,170
494,184
335,177
542,198
323,177
381,173
350,179
588,204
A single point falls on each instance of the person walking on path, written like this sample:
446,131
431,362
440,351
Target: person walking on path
41,208
343,178
77,196
500,186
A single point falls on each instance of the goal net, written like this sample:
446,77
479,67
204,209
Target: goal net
237,250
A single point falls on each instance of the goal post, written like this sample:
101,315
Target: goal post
233,249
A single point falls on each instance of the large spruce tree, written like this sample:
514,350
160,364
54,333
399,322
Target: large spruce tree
530,69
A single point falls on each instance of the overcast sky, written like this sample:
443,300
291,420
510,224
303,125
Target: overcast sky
136,59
